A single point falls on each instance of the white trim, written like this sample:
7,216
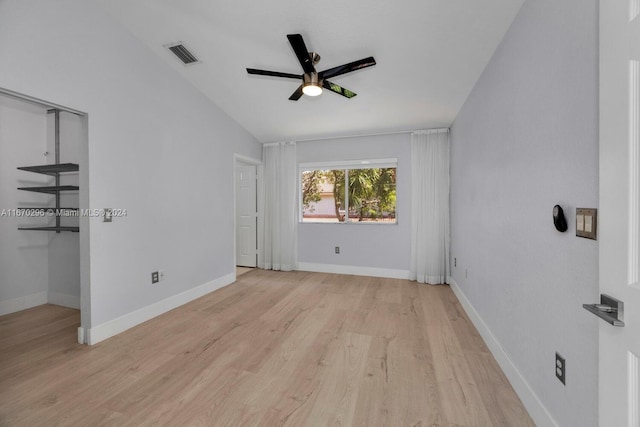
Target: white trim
353,270
244,159
362,135
430,131
273,144
534,406
22,303
64,300
113,327
350,164
346,223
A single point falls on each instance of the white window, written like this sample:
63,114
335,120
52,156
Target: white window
358,191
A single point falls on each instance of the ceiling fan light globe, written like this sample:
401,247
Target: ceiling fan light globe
312,90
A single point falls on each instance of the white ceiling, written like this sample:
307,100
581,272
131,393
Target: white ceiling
429,54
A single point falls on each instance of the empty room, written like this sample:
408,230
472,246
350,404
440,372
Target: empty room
421,213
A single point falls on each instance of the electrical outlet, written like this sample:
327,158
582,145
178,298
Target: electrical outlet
455,262
561,367
155,277
337,249
466,273
161,275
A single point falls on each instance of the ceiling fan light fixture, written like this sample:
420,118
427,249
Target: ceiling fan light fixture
312,89
311,85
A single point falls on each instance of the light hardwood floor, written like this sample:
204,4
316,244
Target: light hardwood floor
242,270
295,349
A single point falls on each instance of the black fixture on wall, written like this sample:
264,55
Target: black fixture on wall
558,219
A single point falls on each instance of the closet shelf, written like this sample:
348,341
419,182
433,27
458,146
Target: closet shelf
52,189
58,229
52,169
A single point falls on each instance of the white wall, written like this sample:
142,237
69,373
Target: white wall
526,140
157,148
23,254
363,247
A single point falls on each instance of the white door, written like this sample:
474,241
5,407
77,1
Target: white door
246,216
619,347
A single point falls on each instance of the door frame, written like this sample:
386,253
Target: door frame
618,384
241,160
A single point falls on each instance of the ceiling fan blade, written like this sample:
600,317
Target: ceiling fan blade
273,73
338,89
347,68
297,43
296,95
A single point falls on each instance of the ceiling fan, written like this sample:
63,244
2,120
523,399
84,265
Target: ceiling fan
313,81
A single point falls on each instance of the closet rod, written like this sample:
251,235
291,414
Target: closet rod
37,101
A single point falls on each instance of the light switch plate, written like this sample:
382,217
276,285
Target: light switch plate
586,223
108,215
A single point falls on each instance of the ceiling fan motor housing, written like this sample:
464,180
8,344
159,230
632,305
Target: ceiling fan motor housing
311,79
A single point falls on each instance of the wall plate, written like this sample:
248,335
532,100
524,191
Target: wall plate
108,215
587,223
561,367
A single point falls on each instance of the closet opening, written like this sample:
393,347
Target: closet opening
44,250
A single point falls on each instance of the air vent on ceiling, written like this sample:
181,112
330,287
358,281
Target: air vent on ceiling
183,54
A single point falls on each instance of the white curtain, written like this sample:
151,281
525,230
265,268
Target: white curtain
277,240
430,206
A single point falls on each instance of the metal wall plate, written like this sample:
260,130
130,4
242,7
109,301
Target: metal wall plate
587,223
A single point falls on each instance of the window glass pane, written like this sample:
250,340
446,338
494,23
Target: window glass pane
372,195
323,196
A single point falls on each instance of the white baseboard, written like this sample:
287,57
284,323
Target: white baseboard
22,303
354,270
529,399
64,300
113,327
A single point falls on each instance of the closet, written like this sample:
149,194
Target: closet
39,200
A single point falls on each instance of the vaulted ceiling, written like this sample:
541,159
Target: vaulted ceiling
429,55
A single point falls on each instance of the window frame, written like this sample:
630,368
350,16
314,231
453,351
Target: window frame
345,165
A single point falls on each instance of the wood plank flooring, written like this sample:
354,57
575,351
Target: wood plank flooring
294,349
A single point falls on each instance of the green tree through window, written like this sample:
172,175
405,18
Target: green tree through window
353,195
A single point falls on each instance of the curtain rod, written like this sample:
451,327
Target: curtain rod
361,135
39,102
